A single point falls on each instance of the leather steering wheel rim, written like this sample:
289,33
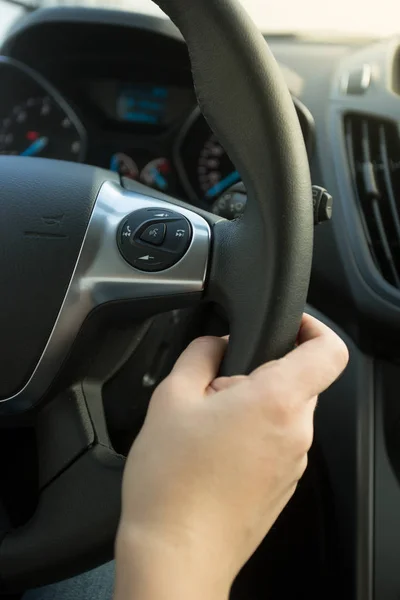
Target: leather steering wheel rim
257,268
261,278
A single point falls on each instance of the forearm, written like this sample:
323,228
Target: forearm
148,570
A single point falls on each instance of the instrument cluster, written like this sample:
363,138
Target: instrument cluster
147,131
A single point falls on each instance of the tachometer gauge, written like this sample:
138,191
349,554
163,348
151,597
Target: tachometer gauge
40,127
158,174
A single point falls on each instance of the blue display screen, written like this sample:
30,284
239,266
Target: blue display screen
146,104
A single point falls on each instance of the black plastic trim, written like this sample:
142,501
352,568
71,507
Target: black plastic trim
78,14
344,426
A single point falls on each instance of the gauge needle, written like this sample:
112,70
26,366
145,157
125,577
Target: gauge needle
35,147
219,187
114,165
159,179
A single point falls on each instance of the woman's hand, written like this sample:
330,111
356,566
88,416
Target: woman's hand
214,465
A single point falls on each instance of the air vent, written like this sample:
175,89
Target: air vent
373,148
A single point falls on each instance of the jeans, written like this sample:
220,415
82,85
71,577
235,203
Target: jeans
94,585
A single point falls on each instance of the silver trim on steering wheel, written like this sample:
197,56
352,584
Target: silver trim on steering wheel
101,275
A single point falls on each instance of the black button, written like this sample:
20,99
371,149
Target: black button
126,232
146,258
160,213
149,261
178,236
154,234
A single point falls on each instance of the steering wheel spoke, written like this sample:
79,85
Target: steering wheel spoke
140,256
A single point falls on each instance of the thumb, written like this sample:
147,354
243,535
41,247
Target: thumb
200,362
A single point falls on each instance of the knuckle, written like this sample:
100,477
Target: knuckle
340,353
301,441
170,388
271,381
276,401
303,465
293,488
301,468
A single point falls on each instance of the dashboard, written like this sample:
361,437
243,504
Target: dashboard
115,90
141,123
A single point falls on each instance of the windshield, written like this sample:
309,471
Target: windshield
355,17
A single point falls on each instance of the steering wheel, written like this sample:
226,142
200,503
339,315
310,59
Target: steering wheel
86,258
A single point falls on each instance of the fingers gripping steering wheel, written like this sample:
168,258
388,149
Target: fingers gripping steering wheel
77,256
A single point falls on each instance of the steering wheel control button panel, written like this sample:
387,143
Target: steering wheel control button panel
154,234
153,240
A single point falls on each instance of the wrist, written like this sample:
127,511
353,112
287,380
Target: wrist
149,567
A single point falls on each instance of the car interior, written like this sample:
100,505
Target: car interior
126,164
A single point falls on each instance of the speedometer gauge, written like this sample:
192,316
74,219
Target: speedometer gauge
40,127
204,167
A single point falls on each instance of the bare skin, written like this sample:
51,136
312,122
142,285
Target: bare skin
215,464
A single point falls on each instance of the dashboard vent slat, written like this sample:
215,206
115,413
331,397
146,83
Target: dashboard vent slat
388,180
385,242
373,151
